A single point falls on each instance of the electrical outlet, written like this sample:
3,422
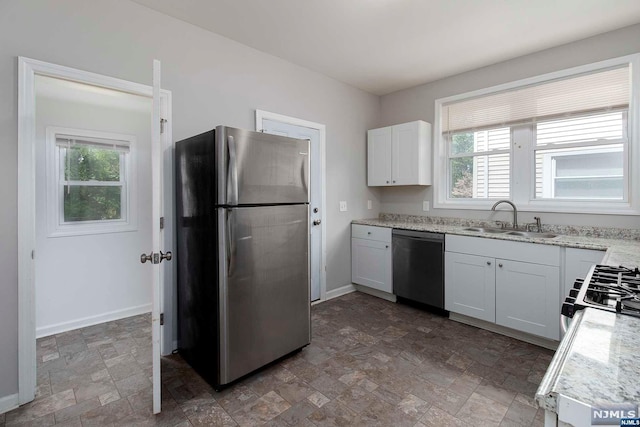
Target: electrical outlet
343,206
369,204
425,205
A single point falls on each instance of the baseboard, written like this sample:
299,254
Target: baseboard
522,336
376,293
45,331
8,403
335,293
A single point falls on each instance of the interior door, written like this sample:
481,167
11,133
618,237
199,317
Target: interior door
315,196
156,184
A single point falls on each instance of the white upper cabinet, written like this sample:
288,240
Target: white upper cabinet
400,155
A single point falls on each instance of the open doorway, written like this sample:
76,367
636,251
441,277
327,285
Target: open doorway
85,214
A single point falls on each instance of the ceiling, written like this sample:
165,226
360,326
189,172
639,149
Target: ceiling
382,46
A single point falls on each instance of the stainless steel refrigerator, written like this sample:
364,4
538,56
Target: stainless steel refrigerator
243,250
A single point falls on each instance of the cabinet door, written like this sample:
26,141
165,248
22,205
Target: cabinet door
577,264
469,285
371,264
379,156
405,154
527,297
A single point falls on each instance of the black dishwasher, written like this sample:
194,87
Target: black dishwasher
418,267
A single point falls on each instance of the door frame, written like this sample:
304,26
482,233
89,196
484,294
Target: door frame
266,115
27,70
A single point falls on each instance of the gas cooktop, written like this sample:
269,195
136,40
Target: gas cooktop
607,288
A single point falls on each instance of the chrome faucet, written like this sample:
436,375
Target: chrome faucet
515,211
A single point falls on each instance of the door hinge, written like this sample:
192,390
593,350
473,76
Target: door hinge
161,319
162,122
161,223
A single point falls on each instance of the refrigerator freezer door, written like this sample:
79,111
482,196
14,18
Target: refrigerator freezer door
264,286
257,168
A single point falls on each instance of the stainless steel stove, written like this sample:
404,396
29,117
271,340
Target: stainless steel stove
615,289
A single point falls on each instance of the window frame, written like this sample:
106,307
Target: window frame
56,226
522,169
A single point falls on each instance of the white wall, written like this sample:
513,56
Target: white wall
88,279
213,81
418,103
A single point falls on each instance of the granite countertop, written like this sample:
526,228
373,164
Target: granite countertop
620,251
596,363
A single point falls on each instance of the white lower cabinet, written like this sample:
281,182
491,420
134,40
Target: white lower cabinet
470,285
371,263
484,281
527,297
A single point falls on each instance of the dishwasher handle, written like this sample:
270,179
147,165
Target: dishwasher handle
422,235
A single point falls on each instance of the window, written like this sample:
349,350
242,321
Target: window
560,142
89,181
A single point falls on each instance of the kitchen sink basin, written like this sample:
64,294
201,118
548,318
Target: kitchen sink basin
486,230
531,234
509,232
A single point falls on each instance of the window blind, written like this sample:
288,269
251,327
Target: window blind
599,91
69,141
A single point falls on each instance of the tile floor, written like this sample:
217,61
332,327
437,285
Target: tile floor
371,363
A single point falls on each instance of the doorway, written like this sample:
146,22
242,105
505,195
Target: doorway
315,133
93,204
62,199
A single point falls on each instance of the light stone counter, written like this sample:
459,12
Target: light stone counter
624,249
596,364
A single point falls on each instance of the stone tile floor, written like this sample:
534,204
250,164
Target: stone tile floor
371,363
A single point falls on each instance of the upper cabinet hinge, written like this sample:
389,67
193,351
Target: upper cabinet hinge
162,122
161,223
161,319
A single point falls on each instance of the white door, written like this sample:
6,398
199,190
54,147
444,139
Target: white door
538,286
405,156
315,207
379,156
470,285
371,264
156,256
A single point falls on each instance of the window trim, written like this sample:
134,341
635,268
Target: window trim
56,226
526,201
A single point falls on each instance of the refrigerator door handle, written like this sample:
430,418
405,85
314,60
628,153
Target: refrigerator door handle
232,172
231,247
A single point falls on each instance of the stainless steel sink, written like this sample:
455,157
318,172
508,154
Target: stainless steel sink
486,230
531,234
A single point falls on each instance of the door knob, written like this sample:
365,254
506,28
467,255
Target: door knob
317,221
488,262
154,258
500,265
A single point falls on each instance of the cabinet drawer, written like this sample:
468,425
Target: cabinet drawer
381,234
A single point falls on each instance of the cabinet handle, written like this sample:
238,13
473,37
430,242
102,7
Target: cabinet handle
500,265
387,182
386,246
368,232
394,182
488,262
